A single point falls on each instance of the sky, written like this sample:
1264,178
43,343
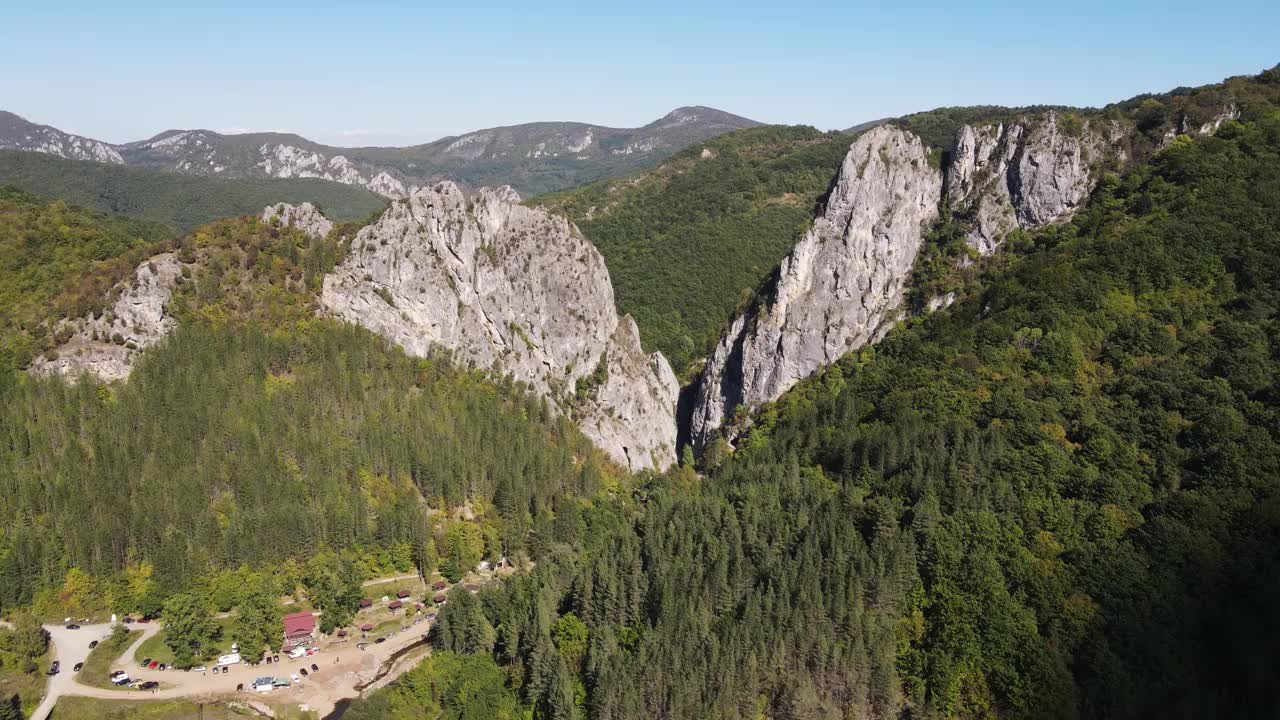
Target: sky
398,73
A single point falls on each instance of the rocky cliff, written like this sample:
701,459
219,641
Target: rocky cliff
1028,173
842,285
519,291
107,345
17,133
305,217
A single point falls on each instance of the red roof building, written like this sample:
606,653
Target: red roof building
366,627
299,627
439,585
366,602
395,605
439,598
402,594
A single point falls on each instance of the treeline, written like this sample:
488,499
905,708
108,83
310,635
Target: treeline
688,242
1061,498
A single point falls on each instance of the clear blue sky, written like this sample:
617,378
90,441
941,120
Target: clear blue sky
401,72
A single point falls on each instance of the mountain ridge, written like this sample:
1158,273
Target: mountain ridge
533,157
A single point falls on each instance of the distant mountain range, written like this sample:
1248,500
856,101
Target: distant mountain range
533,158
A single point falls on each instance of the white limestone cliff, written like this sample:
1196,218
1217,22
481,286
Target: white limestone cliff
1027,174
841,287
305,217
517,290
107,346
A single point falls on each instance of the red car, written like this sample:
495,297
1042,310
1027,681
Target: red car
154,665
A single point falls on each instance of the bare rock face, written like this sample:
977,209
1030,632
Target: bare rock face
305,217
840,288
107,346
519,291
1026,174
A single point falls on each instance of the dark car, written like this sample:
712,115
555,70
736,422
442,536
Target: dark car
128,620
276,658
77,667
93,644
164,666
72,626
380,640
54,667
304,672
144,619
146,662
314,668
268,659
149,684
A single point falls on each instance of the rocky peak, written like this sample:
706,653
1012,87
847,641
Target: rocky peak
306,217
18,133
1027,174
841,287
107,345
516,290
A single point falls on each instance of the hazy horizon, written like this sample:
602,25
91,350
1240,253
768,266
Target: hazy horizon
394,74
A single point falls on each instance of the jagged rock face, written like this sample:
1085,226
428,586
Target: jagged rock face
305,217
108,346
289,161
1026,174
520,291
840,288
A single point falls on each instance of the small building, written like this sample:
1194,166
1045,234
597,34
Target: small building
439,585
439,598
366,627
366,603
394,605
299,628
402,594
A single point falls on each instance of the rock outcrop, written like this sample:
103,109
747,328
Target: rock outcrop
1026,174
841,287
517,290
107,346
305,217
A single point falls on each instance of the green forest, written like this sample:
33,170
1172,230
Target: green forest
180,202
1061,498
689,242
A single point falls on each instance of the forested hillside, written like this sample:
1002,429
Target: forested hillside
1060,498
181,202
256,435
50,251
689,241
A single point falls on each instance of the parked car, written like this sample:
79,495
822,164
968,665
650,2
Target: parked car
77,667
93,644
54,667
128,620
72,626
295,677
268,659
361,646
198,668
146,662
164,666
304,672
149,684
144,619
154,664
380,640
314,668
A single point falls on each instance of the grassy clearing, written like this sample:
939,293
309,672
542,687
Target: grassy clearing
77,708
101,659
156,649
415,586
28,687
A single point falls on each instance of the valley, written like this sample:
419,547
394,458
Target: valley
967,413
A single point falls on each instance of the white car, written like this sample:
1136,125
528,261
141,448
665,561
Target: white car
296,677
198,668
